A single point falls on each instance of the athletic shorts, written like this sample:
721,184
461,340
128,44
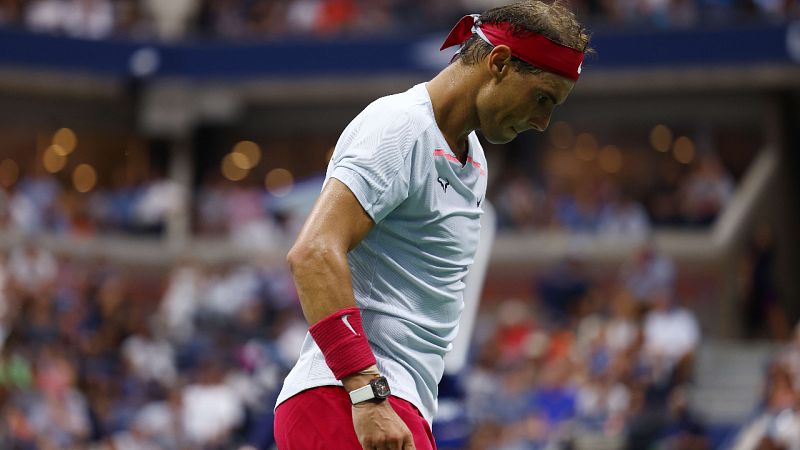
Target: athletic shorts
322,418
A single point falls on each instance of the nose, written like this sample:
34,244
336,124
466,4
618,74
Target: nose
540,123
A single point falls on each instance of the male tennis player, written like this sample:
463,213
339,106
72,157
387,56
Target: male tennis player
379,264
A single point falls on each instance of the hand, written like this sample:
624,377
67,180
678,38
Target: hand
378,427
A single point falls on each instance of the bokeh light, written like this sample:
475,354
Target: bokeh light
230,170
279,182
586,147
683,150
66,140
9,172
84,178
610,159
53,159
661,138
241,161
246,154
562,135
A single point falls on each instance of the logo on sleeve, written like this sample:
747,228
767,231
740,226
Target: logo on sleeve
444,182
480,199
347,324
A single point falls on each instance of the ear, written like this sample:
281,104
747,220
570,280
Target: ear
499,61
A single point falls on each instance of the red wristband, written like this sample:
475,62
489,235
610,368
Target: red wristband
341,338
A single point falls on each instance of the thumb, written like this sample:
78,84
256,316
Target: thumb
409,443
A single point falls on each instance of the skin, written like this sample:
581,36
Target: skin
492,96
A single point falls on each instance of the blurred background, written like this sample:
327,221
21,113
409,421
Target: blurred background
157,159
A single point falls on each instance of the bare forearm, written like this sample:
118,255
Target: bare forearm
322,277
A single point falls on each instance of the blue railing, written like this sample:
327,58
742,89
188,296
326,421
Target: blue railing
765,44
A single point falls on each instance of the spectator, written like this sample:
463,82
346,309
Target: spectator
623,217
32,270
778,426
762,312
45,16
707,191
663,200
172,18
579,211
59,414
151,358
92,19
211,409
671,335
160,199
648,274
32,204
180,301
561,288
157,425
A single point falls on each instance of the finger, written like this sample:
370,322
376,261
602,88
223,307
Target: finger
409,443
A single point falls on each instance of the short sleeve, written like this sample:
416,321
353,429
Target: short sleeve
373,159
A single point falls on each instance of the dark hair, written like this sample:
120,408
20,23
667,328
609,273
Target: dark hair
554,21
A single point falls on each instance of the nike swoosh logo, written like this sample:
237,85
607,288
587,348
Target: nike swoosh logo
347,324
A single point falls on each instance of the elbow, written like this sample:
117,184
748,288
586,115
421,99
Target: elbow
305,256
295,257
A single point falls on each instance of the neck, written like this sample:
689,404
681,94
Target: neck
453,92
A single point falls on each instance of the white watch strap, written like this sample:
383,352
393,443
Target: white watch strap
361,394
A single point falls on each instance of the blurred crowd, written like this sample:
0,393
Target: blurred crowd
99,357
608,361
683,196
259,19
133,205
599,363
94,356
679,195
248,214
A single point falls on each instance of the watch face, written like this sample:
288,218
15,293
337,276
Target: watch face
380,387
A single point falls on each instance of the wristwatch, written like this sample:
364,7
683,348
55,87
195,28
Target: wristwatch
377,390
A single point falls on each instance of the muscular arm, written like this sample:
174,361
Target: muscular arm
318,259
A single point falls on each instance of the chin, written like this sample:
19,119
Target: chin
498,138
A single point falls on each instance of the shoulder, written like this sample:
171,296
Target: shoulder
407,111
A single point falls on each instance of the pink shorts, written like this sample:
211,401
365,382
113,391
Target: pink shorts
321,418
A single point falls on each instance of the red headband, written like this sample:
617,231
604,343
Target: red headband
533,48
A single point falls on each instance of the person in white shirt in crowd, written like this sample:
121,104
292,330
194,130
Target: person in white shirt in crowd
211,408
32,270
671,334
151,357
778,425
181,300
161,198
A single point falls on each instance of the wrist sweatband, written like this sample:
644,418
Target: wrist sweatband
341,338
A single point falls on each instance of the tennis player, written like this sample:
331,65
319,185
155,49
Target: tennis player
380,262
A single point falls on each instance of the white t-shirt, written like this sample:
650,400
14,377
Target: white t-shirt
671,334
408,271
